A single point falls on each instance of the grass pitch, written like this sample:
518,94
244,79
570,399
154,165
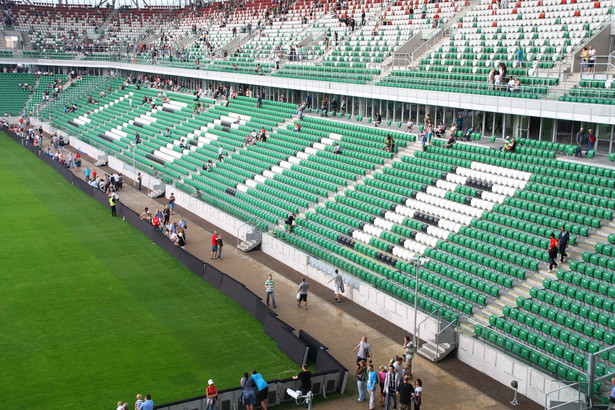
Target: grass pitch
91,312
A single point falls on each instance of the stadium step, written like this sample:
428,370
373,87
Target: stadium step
436,352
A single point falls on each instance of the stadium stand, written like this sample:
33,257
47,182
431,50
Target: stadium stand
482,216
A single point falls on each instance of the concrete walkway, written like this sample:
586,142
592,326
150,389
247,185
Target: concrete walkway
337,326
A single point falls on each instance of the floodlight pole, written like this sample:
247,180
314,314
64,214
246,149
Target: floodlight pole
134,168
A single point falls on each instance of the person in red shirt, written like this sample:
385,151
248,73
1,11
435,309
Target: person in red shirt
552,251
214,245
156,221
212,395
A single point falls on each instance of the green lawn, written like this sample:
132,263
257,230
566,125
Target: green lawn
91,312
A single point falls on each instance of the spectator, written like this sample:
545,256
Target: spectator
263,388
459,122
408,346
423,139
382,374
212,395
220,153
450,142
249,399
404,392
372,384
591,141
219,245
140,180
519,57
389,143
390,388
269,289
418,394
580,141
612,395
592,59
363,350
138,402
289,222
585,59
564,238
409,126
302,293
120,405
112,205
338,284
552,251
305,376
214,245
441,130
361,377
297,127
377,119
337,149
148,404
146,215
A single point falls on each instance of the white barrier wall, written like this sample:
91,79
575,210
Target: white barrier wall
533,383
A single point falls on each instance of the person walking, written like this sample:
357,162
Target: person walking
302,293
269,289
390,388
552,251
361,377
212,395
372,383
338,283
591,141
404,393
580,142
364,350
214,245
140,180
112,204
219,245
564,238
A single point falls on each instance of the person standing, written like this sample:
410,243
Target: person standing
220,153
459,123
408,346
289,222
263,388
580,141
140,180
612,396
564,238
372,383
148,404
338,283
86,173
212,395
305,376
112,204
390,388
361,377
404,393
418,394
552,251
591,141
592,59
71,164
219,245
249,399
172,202
302,293
269,289
214,245
364,350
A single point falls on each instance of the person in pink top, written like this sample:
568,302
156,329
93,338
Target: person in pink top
382,374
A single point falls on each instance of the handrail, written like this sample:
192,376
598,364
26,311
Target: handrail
548,399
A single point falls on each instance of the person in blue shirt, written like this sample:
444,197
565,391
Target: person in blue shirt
372,384
520,57
612,395
263,388
148,404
